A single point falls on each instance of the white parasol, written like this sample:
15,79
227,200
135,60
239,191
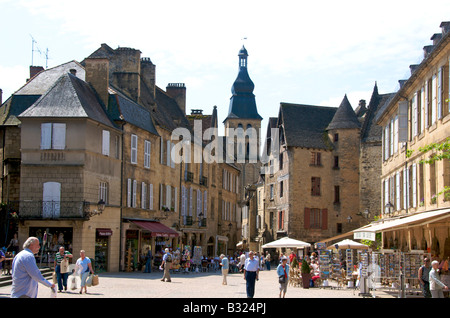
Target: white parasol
348,244
286,242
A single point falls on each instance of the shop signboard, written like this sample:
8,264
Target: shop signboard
364,235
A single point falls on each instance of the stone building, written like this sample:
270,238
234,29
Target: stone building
415,206
322,170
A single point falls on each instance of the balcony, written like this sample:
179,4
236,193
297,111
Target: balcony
50,210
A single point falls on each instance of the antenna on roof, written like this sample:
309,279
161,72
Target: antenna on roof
35,48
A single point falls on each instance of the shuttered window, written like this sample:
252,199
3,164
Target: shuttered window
105,142
53,136
134,142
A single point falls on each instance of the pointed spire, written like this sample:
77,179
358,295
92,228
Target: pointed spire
345,117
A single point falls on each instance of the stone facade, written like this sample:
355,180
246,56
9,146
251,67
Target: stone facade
417,116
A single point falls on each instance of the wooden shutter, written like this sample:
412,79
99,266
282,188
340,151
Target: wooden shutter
324,219
105,142
59,136
151,197
46,136
129,192
307,217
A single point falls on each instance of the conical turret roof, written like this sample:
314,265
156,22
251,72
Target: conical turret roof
345,117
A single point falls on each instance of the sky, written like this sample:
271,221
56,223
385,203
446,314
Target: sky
305,52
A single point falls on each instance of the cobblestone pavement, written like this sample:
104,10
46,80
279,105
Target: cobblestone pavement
193,285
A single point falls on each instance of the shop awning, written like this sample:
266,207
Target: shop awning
156,228
417,219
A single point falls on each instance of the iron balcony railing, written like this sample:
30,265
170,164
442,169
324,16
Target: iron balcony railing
37,209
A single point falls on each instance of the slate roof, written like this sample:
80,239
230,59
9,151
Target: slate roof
42,81
370,131
120,107
305,125
69,97
345,117
30,92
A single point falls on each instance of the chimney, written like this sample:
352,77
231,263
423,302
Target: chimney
125,69
148,74
97,74
178,92
34,70
445,26
413,68
436,38
427,50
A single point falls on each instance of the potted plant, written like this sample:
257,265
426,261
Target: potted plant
306,273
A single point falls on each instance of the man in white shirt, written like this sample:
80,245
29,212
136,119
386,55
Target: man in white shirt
25,273
251,271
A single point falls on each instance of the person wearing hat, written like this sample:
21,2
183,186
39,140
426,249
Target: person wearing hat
167,264
283,271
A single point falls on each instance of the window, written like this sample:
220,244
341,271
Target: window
151,197
53,136
281,161
281,189
103,192
337,194
51,200
134,141
105,142
315,186
271,192
147,149
315,218
129,193
336,162
143,195
336,137
134,194
280,220
316,159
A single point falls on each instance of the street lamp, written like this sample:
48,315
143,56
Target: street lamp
100,208
388,208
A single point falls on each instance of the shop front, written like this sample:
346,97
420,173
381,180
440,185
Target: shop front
143,234
102,240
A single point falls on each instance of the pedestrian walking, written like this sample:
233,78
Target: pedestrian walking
267,260
25,273
148,261
166,264
424,276
84,267
62,268
283,275
436,285
251,272
225,268
242,262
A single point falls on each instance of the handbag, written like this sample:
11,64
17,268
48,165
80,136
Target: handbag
95,280
54,278
282,279
73,284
